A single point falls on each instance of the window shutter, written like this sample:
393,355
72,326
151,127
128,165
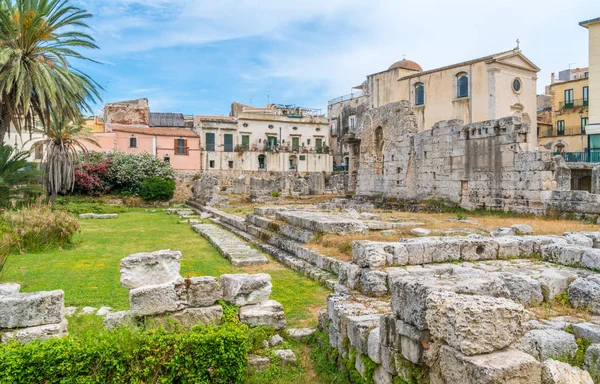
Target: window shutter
186,149
175,146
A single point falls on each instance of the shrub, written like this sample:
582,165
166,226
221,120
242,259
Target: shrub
92,178
201,355
155,188
126,172
37,227
275,194
78,205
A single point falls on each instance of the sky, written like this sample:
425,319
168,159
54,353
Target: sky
197,57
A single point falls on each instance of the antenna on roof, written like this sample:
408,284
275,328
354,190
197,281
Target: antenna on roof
518,44
404,56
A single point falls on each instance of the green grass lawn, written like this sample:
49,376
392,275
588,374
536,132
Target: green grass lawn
88,271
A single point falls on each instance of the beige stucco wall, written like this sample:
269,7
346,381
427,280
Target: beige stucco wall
594,33
275,162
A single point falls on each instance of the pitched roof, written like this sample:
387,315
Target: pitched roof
468,62
176,132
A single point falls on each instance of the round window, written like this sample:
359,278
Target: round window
318,129
271,126
516,85
245,124
295,128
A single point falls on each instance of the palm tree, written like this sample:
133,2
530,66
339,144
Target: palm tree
63,142
37,38
17,176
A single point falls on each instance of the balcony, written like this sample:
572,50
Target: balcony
350,96
567,131
577,103
580,157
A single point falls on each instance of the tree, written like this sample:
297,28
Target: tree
37,38
63,142
17,176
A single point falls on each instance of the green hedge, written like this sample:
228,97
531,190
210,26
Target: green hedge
157,189
202,355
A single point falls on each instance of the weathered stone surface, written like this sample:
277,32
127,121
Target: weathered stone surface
114,320
40,332
238,252
591,259
555,282
192,316
88,310
368,254
98,216
300,333
103,311
275,340
321,222
358,331
501,367
374,282
258,363
244,289
478,249
206,186
316,183
9,289
503,231
300,186
556,372
152,268
474,324
421,232
522,229
203,291
381,376
563,254
589,331
585,293
70,311
578,239
286,356
523,289
31,309
591,361
548,343
155,299
374,346
268,313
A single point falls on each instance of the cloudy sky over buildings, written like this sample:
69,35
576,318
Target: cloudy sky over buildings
196,57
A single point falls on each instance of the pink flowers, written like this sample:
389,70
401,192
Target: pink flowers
91,178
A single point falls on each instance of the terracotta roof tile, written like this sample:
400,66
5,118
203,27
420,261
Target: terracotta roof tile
178,132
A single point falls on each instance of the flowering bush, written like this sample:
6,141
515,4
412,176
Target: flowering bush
127,172
37,227
92,178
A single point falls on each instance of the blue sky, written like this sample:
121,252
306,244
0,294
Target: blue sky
196,57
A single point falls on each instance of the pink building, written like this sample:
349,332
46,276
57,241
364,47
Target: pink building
130,127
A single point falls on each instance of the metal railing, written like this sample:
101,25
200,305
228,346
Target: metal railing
580,157
573,103
349,96
567,131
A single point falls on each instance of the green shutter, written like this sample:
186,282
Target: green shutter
318,143
228,142
246,142
210,141
295,143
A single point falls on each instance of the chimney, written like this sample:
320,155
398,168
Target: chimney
552,78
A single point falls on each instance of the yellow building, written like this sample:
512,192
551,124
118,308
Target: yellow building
569,114
486,88
593,129
94,123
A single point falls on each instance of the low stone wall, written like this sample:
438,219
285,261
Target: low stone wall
25,317
457,312
157,289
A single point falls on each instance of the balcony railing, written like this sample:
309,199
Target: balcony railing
350,96
271,148
573,104
567,131
580,157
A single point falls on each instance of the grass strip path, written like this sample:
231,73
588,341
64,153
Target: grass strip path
88,271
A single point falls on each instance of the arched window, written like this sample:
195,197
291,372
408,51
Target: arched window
419,94
462,85
293,163
261,162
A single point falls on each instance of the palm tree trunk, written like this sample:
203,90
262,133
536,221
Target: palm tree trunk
4,122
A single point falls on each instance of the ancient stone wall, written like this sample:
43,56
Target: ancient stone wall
481,165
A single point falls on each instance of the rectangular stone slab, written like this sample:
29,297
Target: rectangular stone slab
31,309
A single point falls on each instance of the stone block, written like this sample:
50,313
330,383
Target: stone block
548,343
258,363
359,328
584,293
503,232
368,254
155,299
40,332
268,313
578,239
478,249
32,309
397,254
420,232
316,183
588,331
474,324
591,361
523,289
115,320
569,255
286,356
381,376
152,268
275,340
500,367
300,333
9,289
203,291
374,282
556,372
555,282
374,346
522,229
245,289
192,316
591,259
